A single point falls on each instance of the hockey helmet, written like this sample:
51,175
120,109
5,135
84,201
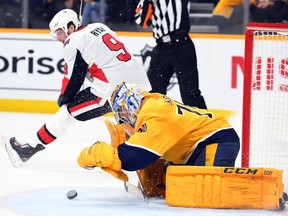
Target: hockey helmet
61,21
125,102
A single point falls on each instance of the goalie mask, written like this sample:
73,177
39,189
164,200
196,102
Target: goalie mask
61,21
125,102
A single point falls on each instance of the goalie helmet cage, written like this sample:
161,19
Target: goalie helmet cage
265,97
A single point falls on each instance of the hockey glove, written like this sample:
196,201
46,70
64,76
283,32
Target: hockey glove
119,133
104,156
60,100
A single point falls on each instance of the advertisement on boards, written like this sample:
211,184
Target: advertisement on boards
31,67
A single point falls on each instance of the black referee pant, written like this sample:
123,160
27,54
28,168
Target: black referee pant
180,58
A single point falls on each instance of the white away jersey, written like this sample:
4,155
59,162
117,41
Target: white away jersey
97,51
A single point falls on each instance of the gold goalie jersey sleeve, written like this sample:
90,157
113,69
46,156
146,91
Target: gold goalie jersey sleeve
166,128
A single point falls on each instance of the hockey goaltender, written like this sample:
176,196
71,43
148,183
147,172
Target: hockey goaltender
184,154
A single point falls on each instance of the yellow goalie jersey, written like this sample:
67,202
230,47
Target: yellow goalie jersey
166,128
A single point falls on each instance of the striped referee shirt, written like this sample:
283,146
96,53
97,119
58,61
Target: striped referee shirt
166,16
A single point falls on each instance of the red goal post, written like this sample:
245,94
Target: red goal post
265,97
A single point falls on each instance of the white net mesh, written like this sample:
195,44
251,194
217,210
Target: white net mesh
269,102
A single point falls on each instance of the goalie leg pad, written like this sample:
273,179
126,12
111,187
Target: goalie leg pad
224,187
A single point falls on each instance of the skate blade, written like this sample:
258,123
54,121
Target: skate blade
13,156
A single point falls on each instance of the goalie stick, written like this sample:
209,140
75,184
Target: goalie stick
136,191
80,12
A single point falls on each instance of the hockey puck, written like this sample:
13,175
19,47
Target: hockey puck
72,194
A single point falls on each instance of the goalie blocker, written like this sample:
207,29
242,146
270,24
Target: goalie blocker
224,187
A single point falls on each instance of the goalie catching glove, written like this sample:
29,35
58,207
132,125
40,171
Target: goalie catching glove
104,156
119,133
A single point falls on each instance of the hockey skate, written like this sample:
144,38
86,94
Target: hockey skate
20,153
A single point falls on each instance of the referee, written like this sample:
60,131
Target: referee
175,51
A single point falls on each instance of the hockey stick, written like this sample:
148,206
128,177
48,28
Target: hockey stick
80,12
136,191
142,187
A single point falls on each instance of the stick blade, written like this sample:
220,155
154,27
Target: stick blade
135,191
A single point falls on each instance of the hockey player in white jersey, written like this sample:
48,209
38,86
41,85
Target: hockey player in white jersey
95,62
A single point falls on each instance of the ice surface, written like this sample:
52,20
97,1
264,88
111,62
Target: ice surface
39,188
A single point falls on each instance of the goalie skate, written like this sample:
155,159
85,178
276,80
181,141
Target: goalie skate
20,153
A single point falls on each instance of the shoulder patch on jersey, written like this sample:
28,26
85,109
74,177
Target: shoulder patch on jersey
142,128
167,99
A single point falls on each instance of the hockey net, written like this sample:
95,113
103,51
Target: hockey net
265,98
